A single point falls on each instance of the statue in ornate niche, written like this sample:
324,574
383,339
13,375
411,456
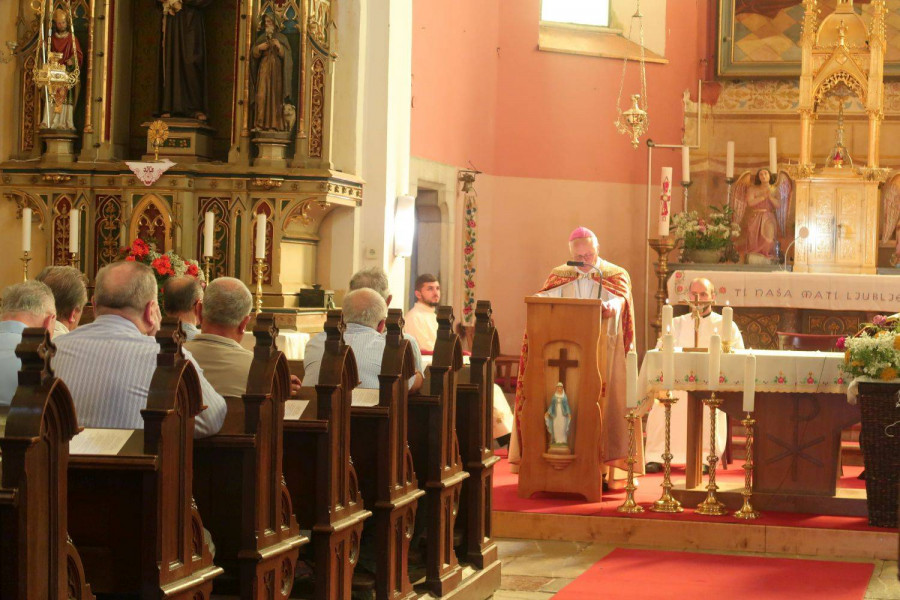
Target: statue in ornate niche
182,60
64,42
768,200
271,75
558,420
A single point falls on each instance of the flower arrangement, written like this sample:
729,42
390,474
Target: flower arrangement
874,351
711,233
163,265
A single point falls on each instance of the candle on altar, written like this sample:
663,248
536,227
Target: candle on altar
261,236
665,201
73,230
631,378
749,382
715,360
773,156
26,230
686,164
667,314
209,224
668,362
727,319
729,160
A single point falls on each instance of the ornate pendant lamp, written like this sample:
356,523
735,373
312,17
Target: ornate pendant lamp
635,121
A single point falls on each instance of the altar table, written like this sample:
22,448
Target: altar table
292,343
800,410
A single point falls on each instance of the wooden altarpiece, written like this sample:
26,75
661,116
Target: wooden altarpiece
838,204
436,457
320,474
239,485
474,428
381,454
133,512
38,560
566,344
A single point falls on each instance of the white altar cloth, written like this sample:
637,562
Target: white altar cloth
292,343
776,371
781,289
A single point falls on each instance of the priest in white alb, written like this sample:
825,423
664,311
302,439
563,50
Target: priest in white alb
703,293
595,278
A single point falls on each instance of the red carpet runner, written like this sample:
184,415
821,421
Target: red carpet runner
638,574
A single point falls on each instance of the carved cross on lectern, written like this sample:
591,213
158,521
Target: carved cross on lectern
563,364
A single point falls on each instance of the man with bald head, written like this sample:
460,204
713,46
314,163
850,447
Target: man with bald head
27,304
108,364
700,291
183,298
365,312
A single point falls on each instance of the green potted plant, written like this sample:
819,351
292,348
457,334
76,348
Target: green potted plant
704,239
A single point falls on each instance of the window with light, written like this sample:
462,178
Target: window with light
578,12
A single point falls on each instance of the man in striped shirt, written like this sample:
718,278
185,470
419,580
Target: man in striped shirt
108,364
364,313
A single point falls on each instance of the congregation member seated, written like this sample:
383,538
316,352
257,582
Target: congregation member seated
27,304
183,298
376,279
365,312
217,349
70,293
421,319
108,364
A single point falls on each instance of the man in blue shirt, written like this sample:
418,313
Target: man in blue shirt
364,314
28,304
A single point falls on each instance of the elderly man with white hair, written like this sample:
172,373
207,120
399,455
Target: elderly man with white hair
108,364
365,312
28,304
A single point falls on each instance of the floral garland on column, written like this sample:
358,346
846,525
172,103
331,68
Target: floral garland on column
471,212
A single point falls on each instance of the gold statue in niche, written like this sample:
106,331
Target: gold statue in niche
64,45
272,72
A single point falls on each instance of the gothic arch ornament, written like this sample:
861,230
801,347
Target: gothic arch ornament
151,220
835,81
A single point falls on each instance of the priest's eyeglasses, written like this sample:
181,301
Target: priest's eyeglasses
588,258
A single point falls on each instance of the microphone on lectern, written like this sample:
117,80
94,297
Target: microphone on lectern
578,263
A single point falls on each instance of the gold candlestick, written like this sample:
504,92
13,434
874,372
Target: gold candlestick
662,247
73,259
25,260
260,264
206,271
666,503
746,511
711,506
630,506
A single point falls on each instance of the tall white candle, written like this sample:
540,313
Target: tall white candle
727,319
749,382
773,156
73,230
685,164
665,201
26,230
209,225
715,360
261,236
667,315
668,361
631,378
729,160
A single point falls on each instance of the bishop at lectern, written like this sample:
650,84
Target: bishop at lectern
607,288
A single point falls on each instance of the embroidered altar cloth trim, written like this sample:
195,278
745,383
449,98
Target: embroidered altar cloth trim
776,371
780,289
150,172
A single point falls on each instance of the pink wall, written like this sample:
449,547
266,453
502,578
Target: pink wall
454,83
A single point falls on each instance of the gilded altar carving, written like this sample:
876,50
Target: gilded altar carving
29,105
319,20
62,206
317,109
108,229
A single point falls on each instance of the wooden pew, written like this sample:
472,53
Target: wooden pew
238,481
474,427
378,444
133,517
37,558
435,450
319,472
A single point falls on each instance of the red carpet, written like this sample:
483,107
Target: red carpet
506,498
637,574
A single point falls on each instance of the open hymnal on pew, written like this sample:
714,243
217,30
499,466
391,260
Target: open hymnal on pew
295,409
107,442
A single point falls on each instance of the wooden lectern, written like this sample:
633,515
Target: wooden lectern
566,344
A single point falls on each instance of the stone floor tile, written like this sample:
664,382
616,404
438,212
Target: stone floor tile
512,595
562,559
557,584
884,584
523,583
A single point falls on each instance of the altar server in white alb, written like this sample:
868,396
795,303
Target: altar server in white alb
701,290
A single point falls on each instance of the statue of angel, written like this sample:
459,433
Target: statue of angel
768,199
890,199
